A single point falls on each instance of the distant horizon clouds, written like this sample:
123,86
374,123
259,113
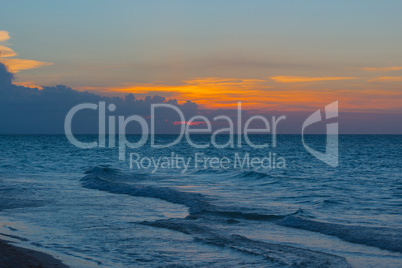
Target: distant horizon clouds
256,93
291,56
28,110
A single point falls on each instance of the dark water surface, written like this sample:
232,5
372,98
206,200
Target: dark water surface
90,209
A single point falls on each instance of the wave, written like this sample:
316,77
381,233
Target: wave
238,214
380,237
102,169
252,174
237,174
15,237
108,180
276,253
113,181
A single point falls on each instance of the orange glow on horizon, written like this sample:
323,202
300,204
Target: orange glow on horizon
297,79
217,93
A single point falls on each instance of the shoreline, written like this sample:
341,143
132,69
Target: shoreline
15,256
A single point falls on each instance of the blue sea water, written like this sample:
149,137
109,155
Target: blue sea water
89,209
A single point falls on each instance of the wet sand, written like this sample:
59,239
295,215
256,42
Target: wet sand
15,257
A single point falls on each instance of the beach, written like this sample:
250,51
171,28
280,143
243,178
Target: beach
13,256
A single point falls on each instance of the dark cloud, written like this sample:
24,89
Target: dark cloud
32,111
5,77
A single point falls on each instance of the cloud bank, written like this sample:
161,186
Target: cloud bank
26,110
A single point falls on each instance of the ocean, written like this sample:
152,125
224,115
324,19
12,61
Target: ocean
183,207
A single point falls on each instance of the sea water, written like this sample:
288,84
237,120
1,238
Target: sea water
90,209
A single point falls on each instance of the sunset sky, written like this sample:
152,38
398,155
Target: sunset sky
271,55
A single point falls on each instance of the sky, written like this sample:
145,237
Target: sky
271,55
